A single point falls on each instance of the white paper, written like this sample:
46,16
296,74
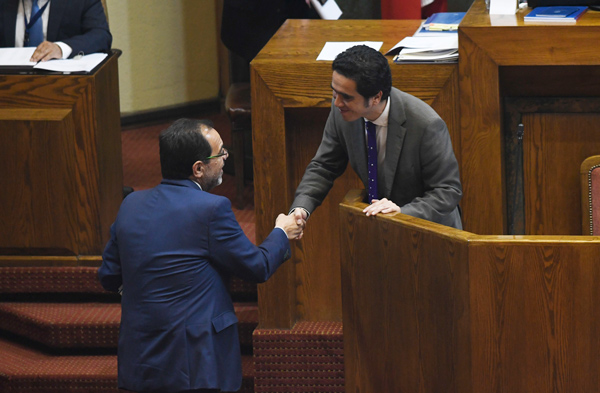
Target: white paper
427,55
84,63
332,49
420,42
503,7
328,10
16,56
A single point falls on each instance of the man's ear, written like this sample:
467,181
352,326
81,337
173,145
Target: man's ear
377,98
198,169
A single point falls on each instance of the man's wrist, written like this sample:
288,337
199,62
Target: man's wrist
299,207
286,235
66,49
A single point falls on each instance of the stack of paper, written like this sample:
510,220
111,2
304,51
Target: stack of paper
441,22
21,56
427,49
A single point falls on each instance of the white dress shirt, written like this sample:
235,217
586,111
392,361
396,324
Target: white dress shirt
25,9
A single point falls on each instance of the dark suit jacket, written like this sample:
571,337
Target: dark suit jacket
173,248
81,24
420,172
247,25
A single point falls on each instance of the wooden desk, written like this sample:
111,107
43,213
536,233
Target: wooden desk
546,77
444,310
291,97
60,162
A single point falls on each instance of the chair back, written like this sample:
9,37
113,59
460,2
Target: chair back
590,196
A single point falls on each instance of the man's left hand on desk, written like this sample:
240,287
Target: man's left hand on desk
383,205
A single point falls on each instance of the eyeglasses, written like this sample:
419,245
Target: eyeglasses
223,152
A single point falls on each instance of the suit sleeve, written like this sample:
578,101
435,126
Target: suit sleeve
94,35
440,176
328,164
110,270
232,251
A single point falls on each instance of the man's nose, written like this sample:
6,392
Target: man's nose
337,101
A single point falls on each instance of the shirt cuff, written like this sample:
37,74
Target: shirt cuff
66,49
294,208
283,231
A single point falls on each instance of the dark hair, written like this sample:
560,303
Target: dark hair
181,145
368,68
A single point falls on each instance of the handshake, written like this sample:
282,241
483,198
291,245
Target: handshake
293,224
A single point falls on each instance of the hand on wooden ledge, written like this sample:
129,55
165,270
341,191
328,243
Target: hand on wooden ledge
381,206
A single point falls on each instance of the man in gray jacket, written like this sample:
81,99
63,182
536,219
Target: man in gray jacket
397,144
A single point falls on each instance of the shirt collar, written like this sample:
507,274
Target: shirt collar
198,184
382,120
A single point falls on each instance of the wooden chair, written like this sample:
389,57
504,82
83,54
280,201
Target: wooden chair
590,196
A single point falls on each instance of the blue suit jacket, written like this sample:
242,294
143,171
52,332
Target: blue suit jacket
172,248
81,24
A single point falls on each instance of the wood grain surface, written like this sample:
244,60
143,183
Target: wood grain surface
60,158
502,55
448,310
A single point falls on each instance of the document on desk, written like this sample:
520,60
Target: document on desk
84,63
21,56
332,49
16,56
425,43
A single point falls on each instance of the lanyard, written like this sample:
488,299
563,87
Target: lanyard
33,19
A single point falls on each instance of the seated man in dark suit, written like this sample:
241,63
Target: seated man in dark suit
172,249
59,29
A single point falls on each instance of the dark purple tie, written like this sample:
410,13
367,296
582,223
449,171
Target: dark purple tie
372,160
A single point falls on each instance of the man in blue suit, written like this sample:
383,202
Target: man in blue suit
69,27
171,251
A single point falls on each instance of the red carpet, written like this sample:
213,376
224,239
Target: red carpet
141,166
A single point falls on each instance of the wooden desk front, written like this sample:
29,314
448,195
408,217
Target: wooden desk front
546,77
291,98
60,162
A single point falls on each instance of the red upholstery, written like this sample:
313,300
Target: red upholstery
307,358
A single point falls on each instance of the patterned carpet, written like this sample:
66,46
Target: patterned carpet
141,166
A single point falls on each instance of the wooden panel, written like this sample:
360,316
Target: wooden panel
66,133
544,59
555,145
36,205
405,299
444,310
481,141
318,283
107,134
535,315
276,297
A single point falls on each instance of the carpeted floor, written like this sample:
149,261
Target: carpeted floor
141,166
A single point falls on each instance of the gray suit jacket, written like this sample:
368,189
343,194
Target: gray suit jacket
420,172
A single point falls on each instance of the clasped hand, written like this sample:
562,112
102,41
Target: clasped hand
293,228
